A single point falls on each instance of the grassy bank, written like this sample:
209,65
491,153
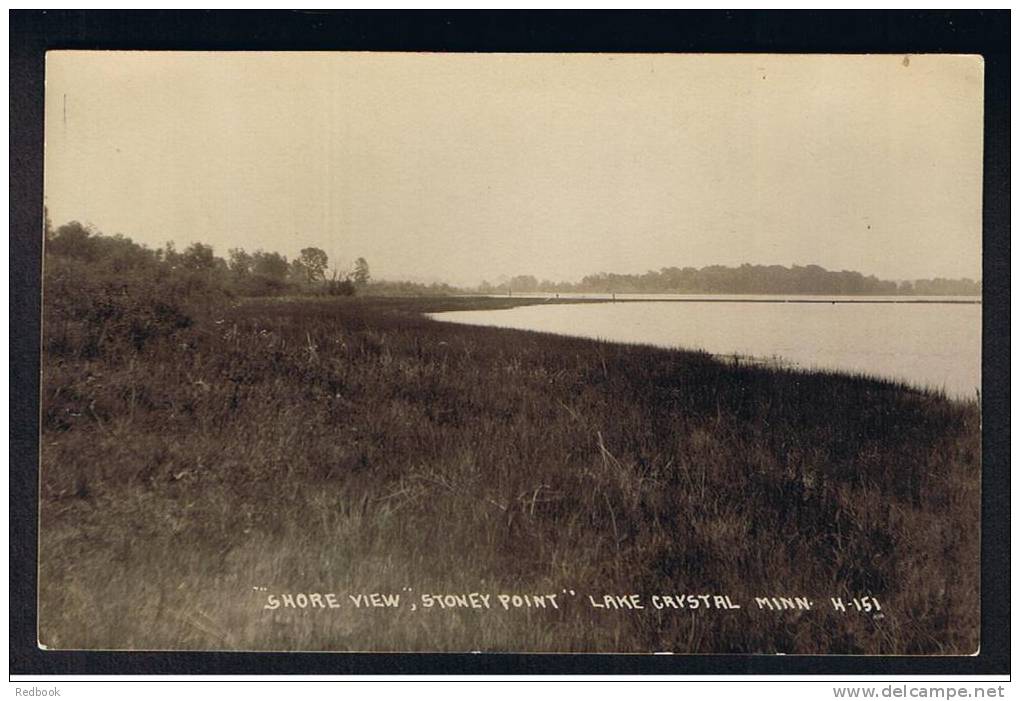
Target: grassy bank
354,446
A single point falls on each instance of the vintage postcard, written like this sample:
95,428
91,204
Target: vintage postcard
628,353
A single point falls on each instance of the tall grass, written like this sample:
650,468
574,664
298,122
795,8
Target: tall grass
352,445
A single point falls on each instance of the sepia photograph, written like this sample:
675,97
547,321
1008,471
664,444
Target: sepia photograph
348,351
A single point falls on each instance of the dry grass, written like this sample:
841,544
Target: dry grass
355,446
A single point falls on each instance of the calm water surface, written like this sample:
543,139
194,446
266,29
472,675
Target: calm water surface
935,345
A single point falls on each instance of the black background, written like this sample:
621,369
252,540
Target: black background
34,32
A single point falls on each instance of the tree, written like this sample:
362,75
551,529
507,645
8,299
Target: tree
240,262
271,265
198,256
311,264
523,283
169,254
74,240
361,273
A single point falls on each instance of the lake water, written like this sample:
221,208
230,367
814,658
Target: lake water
935,344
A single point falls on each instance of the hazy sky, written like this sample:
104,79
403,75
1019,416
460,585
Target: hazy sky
472,166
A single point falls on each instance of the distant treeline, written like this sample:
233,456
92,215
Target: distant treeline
122,263
120,260
109,295
746,279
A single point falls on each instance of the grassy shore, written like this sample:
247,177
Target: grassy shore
354,446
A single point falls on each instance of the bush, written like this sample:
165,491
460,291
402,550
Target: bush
255,285
90,310
340,288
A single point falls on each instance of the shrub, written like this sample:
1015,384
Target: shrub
92,310
340,288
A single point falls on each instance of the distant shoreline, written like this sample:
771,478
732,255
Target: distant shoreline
823,300
759,356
